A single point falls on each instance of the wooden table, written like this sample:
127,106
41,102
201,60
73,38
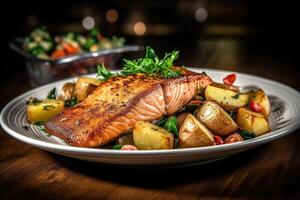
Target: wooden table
269,171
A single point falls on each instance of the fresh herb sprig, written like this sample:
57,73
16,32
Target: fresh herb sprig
103,73
151,64
52,94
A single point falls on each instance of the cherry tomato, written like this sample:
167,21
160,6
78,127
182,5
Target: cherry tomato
218,140
256,107
230,79
128,147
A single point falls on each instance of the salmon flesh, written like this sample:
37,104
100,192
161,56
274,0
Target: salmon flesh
118,103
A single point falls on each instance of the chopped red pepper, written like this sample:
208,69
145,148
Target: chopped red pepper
196,102
218,140
58,54
256,107
128,147
230,79
70,49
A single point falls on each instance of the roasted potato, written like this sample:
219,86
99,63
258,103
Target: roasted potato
216,119
225,86
42,111
126,139
147,136
252,121
194,134
85,86
262,99
67,92
227,99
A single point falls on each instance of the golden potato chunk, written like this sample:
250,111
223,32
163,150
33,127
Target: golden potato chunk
194,134
216,119
44,110
227,99
252,122
225,86
262,99
147,136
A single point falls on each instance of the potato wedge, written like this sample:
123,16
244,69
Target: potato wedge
227,99
44,110
225,86
85,86
262,99
126,139
252,122
147,136
194,134
216,119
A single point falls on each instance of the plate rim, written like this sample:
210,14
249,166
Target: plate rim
209,149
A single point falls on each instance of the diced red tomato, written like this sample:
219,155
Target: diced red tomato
58,54
230,79
128,147
256,107
218,140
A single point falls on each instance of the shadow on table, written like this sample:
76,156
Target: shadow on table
155,177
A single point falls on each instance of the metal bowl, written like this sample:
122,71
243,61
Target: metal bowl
42,71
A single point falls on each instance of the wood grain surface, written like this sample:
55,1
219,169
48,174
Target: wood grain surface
270,171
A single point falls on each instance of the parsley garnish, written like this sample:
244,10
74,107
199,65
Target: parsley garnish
52,94
40,125
151,64
47,107
103,73
236,96
72,102
33,101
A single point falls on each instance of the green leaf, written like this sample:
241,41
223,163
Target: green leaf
117,146
52,94
171,125
150,53
72,102
246,135
103,73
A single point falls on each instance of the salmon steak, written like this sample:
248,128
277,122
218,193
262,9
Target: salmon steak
117,104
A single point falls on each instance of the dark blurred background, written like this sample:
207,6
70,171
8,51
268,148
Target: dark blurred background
243,36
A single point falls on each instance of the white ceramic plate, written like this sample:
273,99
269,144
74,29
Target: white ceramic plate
284,119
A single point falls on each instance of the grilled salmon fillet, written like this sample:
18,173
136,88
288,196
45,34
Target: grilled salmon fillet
118,103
